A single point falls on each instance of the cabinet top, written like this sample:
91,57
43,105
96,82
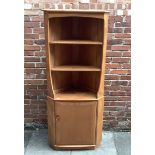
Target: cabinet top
75,10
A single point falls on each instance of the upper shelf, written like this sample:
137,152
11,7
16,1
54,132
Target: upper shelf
80,42
75,68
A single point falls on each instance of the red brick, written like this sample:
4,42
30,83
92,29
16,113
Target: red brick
127,42
119,6
60,6
34,82
28,53
31,48
40,65
110,98
41,36
111,6
118,83
29,76
29,65
40,53
37,19
75,6
26,18
93,1
42,25
106,6
126,66
113,88
115,30
114,54
27,30
32,59
124,98
113,66
126,77
128,19
126,54
30,87
117,103
118,18
112,77
114,41
68,1
127,30
122,24
39,42
83,6
36,6
41,76
27,102
99,6
31,24
28,42
120,60
68,6
120,48
34,70
119,72
38,30
122,35
108,60
31,36
92,6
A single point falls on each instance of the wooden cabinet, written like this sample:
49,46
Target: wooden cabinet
76,49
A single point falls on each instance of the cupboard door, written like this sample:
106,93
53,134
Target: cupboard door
75,122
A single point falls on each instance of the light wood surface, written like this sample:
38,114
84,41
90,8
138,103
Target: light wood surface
102,76
69,132
76,43
75,10
75,68
75,95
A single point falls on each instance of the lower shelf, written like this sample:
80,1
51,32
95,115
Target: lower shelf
75,68
75,95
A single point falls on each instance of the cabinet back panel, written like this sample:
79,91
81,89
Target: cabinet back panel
84,28
76,81
76,55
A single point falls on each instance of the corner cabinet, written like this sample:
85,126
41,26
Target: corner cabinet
76,43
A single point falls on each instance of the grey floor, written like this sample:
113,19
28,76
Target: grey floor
113,143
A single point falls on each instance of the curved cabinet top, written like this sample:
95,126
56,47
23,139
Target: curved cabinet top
76,13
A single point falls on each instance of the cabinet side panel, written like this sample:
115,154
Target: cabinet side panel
51,121
102,76
48,59
99,127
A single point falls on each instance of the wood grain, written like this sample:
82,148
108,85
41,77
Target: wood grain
76,50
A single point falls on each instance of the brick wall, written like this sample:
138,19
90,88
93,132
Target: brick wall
117,113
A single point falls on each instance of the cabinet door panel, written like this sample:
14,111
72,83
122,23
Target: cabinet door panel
75,123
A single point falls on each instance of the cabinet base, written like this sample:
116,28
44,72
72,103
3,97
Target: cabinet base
75,125
73,147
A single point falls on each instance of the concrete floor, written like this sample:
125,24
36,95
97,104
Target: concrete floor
113,143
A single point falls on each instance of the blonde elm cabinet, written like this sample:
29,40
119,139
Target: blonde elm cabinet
76,43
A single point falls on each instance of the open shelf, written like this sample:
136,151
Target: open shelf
75,95
77,42
76,28
79,82
78,58
75,68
